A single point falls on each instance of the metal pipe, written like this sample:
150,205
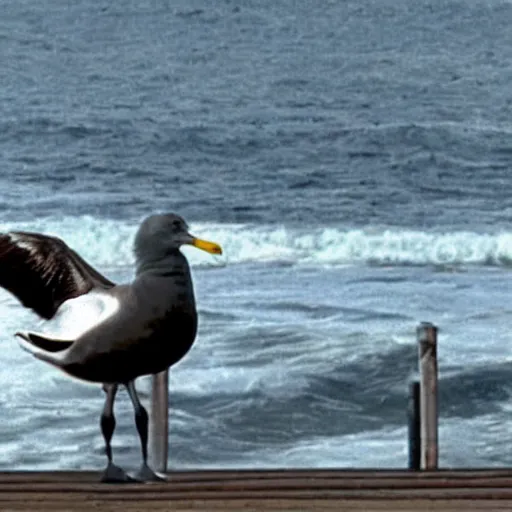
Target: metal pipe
159,421
414,426
427,350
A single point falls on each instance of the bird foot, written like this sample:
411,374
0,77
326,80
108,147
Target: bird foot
115,475
146,474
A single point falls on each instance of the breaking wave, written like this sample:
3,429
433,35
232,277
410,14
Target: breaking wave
107,242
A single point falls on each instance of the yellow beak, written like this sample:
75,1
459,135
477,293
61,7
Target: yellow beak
204,245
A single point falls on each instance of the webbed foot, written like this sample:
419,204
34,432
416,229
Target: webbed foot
115,475
146,474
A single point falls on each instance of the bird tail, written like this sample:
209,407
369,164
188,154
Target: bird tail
50,350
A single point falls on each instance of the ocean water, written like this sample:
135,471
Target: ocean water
353,159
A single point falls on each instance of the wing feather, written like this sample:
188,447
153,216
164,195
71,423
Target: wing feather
43,272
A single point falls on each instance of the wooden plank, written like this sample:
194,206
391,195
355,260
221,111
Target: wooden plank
269,505
295,494
242,474
302,490
265,486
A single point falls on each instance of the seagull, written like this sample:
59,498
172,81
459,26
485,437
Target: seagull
132,329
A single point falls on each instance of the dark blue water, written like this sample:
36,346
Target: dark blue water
353,159
350,111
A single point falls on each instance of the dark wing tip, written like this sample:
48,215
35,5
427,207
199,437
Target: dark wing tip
43,272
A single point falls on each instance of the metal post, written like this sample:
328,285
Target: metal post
159,426
414,426
427,347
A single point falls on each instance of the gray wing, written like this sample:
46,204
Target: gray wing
43,272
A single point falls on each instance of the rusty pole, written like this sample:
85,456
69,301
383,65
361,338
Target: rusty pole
427,351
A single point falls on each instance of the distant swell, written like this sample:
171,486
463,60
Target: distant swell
108,242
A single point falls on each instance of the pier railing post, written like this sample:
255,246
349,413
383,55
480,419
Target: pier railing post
159,421
427,351
414,426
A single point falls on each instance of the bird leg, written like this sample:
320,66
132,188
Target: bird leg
145,473
112,473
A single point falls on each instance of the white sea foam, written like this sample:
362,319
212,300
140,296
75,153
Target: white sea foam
108,242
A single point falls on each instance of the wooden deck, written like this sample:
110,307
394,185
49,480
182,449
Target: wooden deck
303,490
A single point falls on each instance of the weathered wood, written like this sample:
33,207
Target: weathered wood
159,421
92,477
272,506
427,346
301,483
263,490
